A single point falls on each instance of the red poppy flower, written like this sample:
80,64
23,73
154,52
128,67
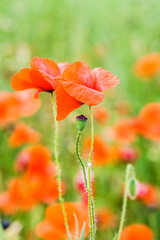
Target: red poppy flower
125,131
40,76
127,154
148,120
148,66
36,161
53,226
23,134
101,115
148,194
81,187
105,218
137,231
7,205
80,85
102,153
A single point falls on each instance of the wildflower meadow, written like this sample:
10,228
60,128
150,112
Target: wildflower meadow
79,120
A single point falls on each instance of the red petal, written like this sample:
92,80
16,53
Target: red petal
62,66
80,73
104,79
30,78
47,67
21,80
65,103
82,93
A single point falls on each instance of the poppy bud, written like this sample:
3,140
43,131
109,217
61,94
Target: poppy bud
132,188
81,122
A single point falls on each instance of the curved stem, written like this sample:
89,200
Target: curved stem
124,207
84,171
59,169
91,201
80,160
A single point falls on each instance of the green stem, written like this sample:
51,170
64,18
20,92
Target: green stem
80,160
91,201
59,169
84,171
129,169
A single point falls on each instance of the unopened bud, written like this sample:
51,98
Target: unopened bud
132,188
81,122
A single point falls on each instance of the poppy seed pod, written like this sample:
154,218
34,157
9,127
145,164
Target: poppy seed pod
81,122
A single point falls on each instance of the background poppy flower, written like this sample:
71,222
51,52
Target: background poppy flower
137,231
53,226
148,121
148,194
36,161
16,105
102,153
83,85
23,134
101,115
125,131
105,218
7,205
148,66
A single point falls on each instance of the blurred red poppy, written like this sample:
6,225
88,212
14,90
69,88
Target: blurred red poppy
16,105
137,231
53,226
102,153
148,66
147,123
105,218
125,131
101,115
23,134
36,161
148,194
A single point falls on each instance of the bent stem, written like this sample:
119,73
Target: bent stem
91,201
129,169
84,170
80,160
59,169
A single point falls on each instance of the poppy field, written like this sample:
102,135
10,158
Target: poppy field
79,120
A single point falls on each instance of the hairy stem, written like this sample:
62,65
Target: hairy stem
84,171
124,206
91,201
80,160
59,169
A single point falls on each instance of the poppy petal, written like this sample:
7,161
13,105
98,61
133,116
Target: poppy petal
30,78
79,72
104,79
46,230
65,103
82,93
47,67
62,66
21,80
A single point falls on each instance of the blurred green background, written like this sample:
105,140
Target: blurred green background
111,34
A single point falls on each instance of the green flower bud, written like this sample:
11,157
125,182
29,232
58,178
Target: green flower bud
132,188
81,122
